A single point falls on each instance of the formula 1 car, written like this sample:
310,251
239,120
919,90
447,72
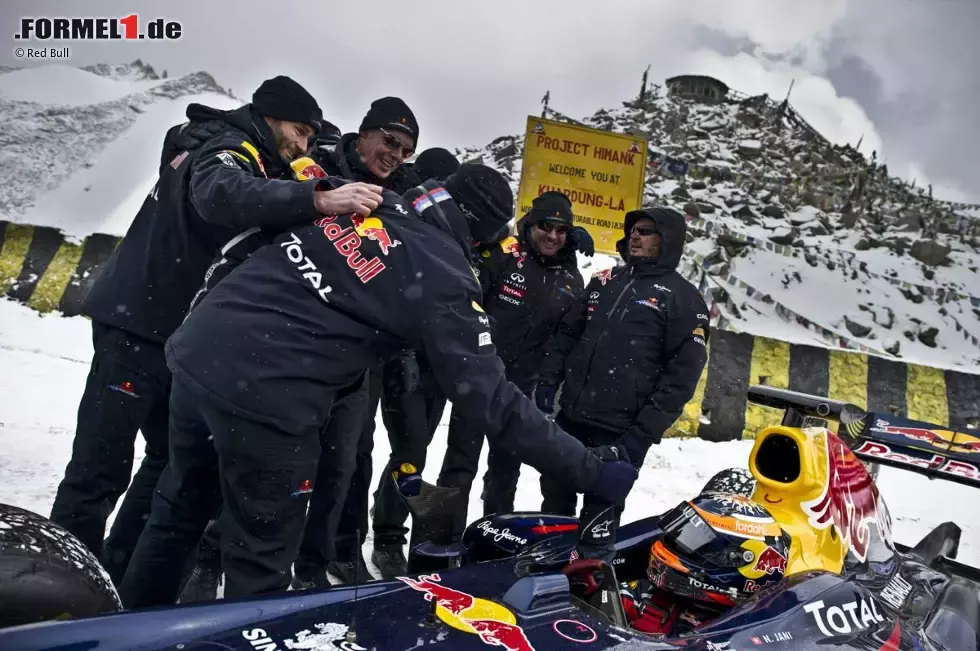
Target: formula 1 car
509,584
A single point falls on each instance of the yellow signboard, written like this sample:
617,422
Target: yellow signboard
602,173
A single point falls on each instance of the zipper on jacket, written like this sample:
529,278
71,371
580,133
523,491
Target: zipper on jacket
602,333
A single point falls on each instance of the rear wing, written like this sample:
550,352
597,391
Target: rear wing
924,448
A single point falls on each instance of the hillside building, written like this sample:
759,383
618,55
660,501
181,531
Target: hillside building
699,87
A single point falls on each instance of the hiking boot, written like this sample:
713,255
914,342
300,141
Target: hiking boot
318,580
346,572
202,584
391,561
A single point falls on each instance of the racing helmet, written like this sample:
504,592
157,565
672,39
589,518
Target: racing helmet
719,548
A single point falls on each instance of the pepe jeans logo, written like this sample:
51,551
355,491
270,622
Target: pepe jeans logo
498,534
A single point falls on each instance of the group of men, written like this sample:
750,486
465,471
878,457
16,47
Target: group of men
282,280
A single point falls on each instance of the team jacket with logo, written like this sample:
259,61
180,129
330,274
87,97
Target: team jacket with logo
526,297
201,201
301,319
635,355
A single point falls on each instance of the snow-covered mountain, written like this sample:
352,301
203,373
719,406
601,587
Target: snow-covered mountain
797,238
79,147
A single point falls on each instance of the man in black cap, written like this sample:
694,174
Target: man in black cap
531,285
435,163
202,199
375,154
630,359
259,362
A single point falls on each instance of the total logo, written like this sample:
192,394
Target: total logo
845,619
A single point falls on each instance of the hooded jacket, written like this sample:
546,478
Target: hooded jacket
527,296
202,200
634,355
300,320
341,159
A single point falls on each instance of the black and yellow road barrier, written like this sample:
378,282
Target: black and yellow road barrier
720,411
43,270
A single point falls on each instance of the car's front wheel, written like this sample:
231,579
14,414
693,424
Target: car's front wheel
46,573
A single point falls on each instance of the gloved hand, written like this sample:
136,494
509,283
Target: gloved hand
616,479
580,239
544,398
614,452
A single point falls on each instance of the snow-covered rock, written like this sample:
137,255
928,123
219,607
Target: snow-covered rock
80,147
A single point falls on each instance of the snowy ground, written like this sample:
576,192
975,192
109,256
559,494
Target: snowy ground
44,362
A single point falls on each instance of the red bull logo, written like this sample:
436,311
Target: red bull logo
373,229
849,500
494,624
348,244
452,600
948,440
770,561
502,634
937,462
305,169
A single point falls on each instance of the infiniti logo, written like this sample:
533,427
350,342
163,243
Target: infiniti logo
517,277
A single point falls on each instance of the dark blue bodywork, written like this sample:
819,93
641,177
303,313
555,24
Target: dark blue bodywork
514,562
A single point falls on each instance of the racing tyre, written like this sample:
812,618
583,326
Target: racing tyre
46,573
732,480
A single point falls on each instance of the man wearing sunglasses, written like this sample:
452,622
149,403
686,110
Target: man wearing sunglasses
530,283
375,154
631,359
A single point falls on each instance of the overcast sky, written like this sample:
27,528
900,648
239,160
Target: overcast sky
902,73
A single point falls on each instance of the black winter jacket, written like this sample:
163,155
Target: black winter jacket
303,317
201,200
635,354
527,296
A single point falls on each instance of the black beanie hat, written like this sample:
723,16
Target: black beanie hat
435,163
552,206
393,114
485,198
284,99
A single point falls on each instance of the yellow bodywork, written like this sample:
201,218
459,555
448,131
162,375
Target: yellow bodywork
803,507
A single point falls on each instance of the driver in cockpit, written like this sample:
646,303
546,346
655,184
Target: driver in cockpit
716,551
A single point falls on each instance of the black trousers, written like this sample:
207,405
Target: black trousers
558,497
336,469
127,391
350,511
338,450
411,420
462,461
259,475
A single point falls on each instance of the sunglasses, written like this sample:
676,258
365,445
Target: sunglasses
550,227
394,144
644,231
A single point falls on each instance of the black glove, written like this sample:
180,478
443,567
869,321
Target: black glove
544,398
580,239
616,477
